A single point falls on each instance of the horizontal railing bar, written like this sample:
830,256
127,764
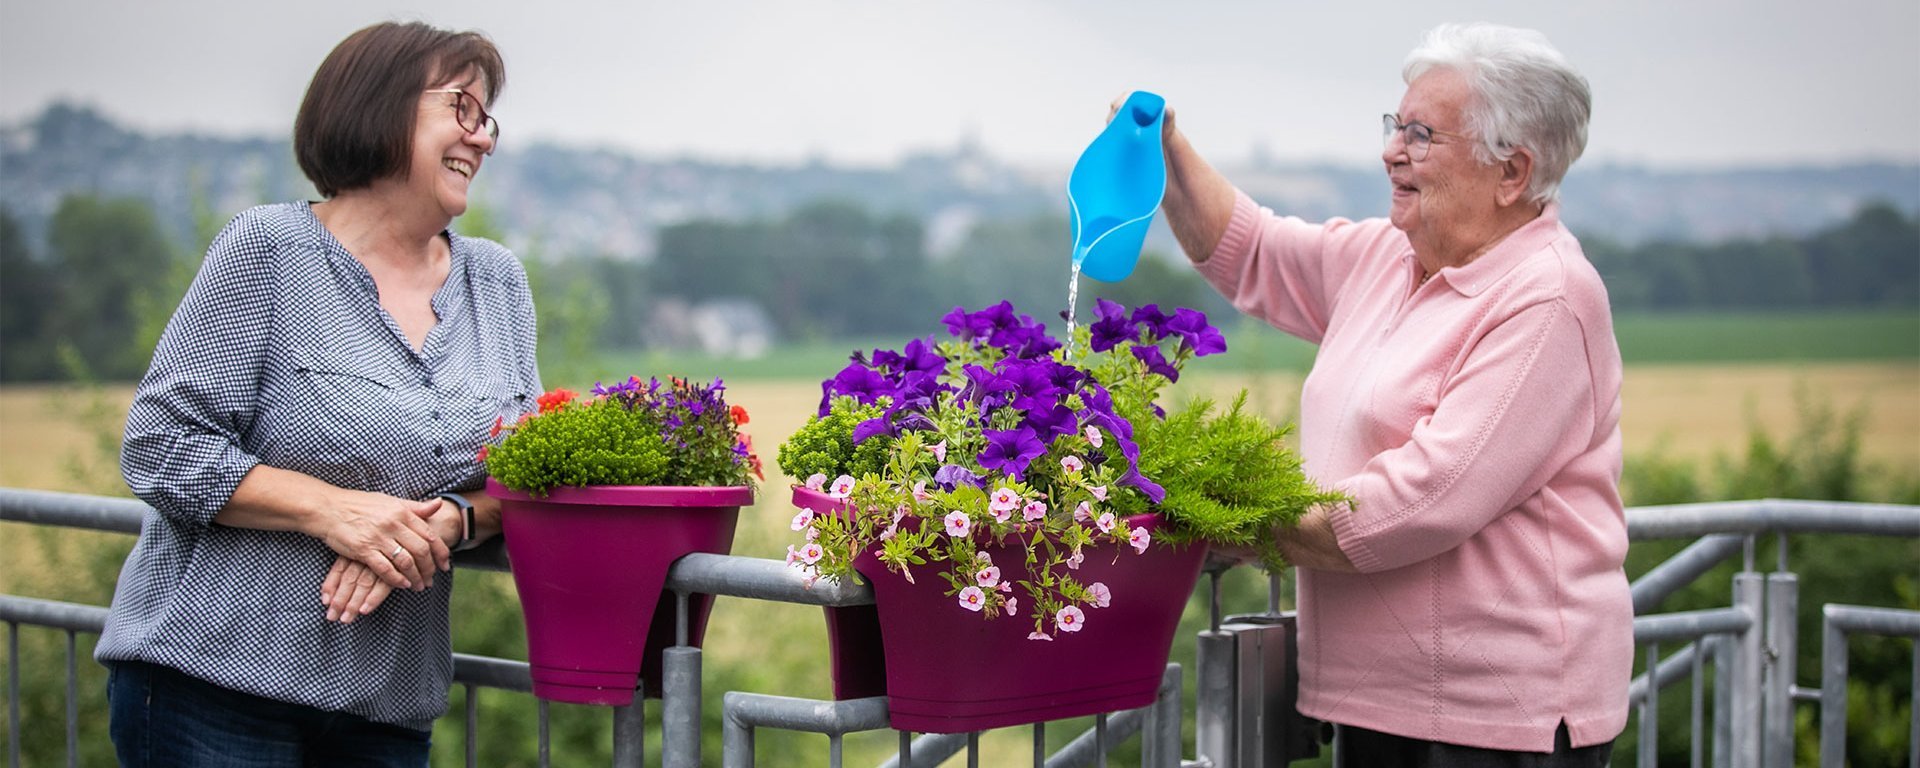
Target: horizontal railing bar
1855,619
71,510
1689,625
1772,515
492,672
1121,726
834,718
1672,669
932,749
1680,570
72,617
485,671
760,579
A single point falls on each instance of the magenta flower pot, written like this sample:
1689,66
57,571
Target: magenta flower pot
591,567
947,670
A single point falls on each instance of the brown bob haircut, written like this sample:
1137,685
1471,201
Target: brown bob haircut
355,125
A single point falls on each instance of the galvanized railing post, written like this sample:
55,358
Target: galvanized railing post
680,696
630,731
1749,596
1214,658
1833,693
1783,648
1650,710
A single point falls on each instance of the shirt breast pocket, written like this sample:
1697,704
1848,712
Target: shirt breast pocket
341,418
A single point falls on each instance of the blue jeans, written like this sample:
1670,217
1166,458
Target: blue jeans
162,718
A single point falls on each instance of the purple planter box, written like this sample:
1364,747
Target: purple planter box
591,567
948,670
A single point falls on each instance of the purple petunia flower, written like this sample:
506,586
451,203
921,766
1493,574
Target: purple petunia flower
1195,334
1152,320
1010,451
1112,327
863,383
1156,362
950,476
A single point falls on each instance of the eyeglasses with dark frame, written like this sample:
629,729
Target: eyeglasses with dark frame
471,115
1418,135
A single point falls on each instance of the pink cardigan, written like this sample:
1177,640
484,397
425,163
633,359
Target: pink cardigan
1475,420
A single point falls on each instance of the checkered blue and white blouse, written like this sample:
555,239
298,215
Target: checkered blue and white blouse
281,355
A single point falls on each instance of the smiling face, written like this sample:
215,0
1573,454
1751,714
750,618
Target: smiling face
446,156
1445,202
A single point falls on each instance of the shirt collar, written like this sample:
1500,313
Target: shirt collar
1531,238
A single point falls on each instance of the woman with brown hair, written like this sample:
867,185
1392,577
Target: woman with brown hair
311,416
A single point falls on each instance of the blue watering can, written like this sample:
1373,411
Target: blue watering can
1115,188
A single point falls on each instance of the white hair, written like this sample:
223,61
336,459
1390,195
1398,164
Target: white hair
1525,94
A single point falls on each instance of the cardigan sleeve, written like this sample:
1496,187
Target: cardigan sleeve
1519,409
1288,272
182,452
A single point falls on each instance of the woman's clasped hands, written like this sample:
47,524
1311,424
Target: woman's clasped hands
384,543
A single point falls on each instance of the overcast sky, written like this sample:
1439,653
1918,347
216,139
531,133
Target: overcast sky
1676,84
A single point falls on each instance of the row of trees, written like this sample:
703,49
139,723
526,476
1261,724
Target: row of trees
94,301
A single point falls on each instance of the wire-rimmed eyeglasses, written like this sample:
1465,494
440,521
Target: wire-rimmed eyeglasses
1418,136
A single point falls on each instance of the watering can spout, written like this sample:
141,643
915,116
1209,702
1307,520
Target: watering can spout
1115,188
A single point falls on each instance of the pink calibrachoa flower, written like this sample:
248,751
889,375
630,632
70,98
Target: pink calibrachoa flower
1034,510
793,555
816,482
1013,605
1102,597
1074,562
1072,464
802,520
939,450
1106,522
813,533
842,487
1000,515
958,524
1098,491
1093,436
1004,499
988,577
973,599
1083,513
1139,539
1070,619
920,491
812,552
1040,636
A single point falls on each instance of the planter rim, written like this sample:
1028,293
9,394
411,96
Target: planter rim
1152,521
634,495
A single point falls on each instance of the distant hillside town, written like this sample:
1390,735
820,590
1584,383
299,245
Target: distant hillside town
568,201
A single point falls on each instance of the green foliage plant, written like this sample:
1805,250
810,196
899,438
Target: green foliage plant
632,433
1007,436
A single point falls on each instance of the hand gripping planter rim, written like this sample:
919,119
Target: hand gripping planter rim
947,670
591,568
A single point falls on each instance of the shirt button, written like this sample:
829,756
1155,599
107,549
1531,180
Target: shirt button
426,381
436,415
439,450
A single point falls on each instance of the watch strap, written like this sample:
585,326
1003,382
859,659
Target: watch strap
466,520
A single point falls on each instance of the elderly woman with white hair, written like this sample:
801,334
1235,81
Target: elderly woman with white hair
1469,606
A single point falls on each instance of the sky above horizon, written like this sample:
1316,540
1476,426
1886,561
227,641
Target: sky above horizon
1676,85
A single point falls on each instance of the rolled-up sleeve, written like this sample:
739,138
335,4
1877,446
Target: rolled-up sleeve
182,453
1519,410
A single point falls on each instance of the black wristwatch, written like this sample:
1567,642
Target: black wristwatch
466,520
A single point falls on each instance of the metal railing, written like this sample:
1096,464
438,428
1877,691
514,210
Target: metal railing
1751,645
